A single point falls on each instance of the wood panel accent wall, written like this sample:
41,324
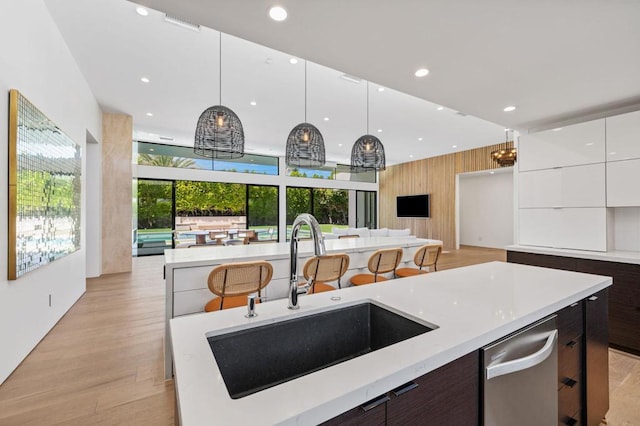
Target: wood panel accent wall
117,131
435,176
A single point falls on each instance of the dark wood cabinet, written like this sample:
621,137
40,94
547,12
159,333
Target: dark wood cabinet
448,395
570,323
624,294
372,413
596,358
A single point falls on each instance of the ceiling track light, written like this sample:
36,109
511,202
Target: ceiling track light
219,132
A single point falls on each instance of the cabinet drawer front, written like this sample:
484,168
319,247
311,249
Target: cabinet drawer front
569,402
570,323
569,362
185,279
190,302
577,186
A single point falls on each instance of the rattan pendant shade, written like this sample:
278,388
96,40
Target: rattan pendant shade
219,132
367,153
305,145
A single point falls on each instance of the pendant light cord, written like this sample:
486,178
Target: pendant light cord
220,64
367,106
305,90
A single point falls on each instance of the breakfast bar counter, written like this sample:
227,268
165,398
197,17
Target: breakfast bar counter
469,308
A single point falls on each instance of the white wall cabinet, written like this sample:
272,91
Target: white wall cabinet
577,186
574,145
623,183
623,136
570,228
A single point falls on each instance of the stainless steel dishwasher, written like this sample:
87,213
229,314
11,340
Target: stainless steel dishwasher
520,384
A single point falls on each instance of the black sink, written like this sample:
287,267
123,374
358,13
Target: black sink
258,358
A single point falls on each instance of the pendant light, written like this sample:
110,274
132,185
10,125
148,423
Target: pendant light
505,157
367,153
219,132
305,145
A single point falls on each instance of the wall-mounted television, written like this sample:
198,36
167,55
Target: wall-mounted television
412,205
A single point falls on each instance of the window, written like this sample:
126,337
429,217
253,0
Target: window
155,154
329,206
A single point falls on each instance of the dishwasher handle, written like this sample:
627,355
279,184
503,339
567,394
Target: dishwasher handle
524,362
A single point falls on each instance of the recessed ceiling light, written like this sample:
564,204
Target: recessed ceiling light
380,89
454,146
339,144
557,129
410,155
419,139
379,130
491,173
149,114
440,108
145,79
278,13
421,72
509,108
253,103
293,61
326,119
612,153
142,11
268,61
589,144
507,130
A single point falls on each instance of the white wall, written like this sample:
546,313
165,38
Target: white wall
486,208
35,60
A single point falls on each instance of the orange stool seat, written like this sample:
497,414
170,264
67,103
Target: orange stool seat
361,279
409,272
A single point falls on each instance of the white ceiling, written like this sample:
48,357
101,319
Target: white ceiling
554,60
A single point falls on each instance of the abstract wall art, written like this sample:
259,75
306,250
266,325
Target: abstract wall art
44,189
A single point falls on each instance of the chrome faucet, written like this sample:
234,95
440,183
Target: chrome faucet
318,249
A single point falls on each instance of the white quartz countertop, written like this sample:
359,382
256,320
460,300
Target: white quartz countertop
472,307
204,255
609,256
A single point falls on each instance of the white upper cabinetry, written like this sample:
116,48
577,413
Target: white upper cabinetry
577,186
573,145
623,183
623,136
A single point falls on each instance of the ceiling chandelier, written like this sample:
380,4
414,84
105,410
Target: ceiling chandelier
305,145
219,132
367,153
507,156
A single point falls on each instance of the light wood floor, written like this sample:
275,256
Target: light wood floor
102,363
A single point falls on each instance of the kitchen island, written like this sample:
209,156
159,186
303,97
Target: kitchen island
186,270
470,307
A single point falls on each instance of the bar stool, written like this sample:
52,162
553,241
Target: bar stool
380,262
319,270
233,282
426,256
